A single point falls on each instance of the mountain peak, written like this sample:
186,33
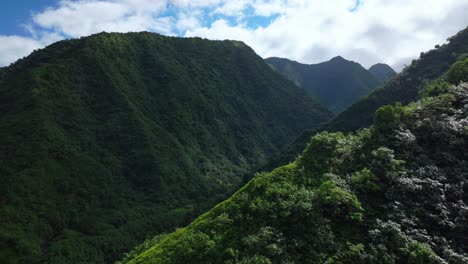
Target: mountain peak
382,72
338,58
327,79
380,65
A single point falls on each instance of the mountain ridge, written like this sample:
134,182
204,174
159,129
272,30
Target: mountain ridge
109,136
326,80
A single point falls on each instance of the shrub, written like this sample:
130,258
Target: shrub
388,117
320,151
339,203
420,253
458,72
193,247
364,181
435,88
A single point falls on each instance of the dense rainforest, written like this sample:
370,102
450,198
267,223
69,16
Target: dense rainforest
395,192
112,139
337,83
404,88
109,139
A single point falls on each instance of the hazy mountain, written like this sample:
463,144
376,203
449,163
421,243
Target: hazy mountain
109,139
382,72
337,83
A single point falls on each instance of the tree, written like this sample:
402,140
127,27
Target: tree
458,72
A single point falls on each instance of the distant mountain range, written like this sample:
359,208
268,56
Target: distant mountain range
404,88
337,83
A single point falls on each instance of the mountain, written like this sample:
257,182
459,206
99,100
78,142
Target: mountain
393,193
404,88
336,84
112,138
382,72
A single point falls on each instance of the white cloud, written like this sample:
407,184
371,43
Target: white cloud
393,32
232,8
188,20
379,31
240,8
81,18
271,7
15,47
196,3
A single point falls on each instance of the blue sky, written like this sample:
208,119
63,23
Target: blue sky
14,13
366,31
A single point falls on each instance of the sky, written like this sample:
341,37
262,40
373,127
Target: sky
308,31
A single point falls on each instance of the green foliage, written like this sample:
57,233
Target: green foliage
338,203
113,138
388,117
458,72
406,177
385,163
353,254
435,88
252,260
267,240
319,154
364,181
147,244
419,253
193,248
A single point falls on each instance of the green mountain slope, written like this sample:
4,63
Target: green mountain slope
115,137
404,88
337,83
382,72
393,193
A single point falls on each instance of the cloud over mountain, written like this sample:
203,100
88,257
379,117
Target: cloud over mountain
308,31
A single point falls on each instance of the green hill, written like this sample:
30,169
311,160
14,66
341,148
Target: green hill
382,72
336,84
112,138
393,193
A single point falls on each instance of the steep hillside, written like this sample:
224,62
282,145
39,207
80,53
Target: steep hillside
393,193
382,72
403,88
337,83
108,139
